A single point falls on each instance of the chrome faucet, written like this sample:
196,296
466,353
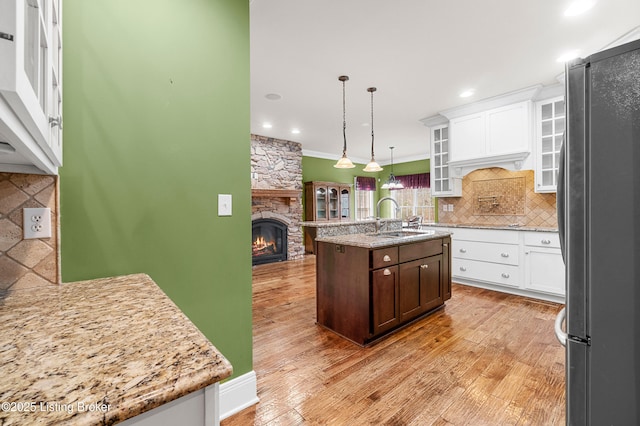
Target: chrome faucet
378,211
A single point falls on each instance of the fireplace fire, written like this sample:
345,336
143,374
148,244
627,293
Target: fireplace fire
269,241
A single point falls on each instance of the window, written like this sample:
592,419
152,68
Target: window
415,199
365,190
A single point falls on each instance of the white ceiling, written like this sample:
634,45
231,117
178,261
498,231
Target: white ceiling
420,54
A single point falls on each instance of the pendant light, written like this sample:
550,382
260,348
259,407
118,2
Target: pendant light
392,182
344,162
372,166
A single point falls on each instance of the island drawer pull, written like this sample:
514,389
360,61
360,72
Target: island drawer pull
462,250
425,266
545,241
386,258
463,269
505,275
504,254
386,272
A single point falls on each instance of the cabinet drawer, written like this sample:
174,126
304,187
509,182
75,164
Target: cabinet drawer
419,250
496,273
542,239
486,235
381,258
488,252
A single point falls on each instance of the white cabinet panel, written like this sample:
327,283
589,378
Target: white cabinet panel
468,137
484,271
486,252
508,128
544,270
542,239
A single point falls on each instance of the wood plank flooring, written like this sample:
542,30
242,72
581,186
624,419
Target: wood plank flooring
487,358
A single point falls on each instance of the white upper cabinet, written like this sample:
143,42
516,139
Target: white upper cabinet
31,81
491,134
442,184
550,126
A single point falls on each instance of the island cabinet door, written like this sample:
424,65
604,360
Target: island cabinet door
384,299
420,286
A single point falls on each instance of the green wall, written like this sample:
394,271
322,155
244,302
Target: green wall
156,124
323,170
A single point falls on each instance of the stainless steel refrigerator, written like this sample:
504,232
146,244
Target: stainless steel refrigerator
599,223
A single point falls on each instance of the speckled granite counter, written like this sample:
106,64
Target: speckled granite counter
510,228
384,239
321,229
98,352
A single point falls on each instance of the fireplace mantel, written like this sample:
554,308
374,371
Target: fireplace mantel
278,193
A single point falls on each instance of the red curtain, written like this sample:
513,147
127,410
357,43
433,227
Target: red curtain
419,180
364,183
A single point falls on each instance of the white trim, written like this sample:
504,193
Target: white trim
516,96
238,394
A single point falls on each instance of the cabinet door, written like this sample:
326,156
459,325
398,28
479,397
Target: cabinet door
334,204
508,128
345,203
384,299
321,203
467,137
544,270
550,125
420,287
30,54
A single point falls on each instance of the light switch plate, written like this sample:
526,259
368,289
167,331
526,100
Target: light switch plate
36,222
224,204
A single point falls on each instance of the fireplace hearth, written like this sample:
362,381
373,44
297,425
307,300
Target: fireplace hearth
269,241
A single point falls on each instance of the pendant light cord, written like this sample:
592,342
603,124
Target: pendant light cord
344,120
372,122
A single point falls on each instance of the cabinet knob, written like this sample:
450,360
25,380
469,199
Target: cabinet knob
504,254
386,272
463,250
545,241
386,258
463,269
425,266
505,275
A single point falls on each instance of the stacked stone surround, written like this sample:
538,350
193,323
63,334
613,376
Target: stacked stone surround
277,164
33,262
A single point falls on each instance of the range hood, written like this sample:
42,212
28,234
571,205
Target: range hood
510,161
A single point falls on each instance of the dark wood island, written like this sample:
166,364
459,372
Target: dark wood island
369,285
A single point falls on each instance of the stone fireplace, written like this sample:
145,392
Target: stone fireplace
276,199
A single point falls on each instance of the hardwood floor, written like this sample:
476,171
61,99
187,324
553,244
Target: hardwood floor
487,358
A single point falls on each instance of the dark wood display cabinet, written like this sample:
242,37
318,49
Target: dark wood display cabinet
327,201
365,293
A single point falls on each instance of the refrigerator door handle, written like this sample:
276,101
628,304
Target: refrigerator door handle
560,334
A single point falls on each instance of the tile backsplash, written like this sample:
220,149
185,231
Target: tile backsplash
34,262
499,197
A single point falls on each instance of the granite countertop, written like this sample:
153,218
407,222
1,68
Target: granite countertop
328,223
98,352
507,227
385,239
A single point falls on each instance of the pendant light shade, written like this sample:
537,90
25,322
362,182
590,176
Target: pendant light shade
392,182
344,162
373,166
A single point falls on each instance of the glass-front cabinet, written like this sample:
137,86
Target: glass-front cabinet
31,76
442,184
327,201
550,126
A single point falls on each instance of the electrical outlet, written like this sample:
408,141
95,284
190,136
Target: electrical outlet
36,223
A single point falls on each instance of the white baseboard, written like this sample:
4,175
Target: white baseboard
238,394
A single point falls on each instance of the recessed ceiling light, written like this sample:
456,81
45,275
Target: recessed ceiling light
295,131
568,56
266,125
273,96
579,7
466,93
